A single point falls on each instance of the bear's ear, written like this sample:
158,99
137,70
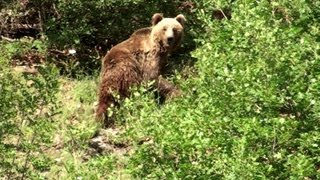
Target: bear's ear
157,17
181,19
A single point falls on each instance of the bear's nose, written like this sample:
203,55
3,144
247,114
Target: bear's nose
170,40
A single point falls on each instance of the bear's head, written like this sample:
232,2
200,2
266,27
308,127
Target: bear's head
167,32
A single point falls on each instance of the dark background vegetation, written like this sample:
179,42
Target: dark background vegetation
249,71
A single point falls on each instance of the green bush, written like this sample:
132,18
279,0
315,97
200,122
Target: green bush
27,106
252,111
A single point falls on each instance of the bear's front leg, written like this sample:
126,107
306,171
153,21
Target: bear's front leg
167,89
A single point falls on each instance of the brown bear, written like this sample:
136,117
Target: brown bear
140,58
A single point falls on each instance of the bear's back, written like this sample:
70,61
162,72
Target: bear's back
128,49
142,32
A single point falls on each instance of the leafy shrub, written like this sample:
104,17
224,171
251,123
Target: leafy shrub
27,105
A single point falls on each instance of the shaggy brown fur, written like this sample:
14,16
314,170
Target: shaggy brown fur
140,58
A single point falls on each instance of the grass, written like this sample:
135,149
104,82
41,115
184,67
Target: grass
75,126
65,153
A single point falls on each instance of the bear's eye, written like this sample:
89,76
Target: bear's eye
176,30
164,29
